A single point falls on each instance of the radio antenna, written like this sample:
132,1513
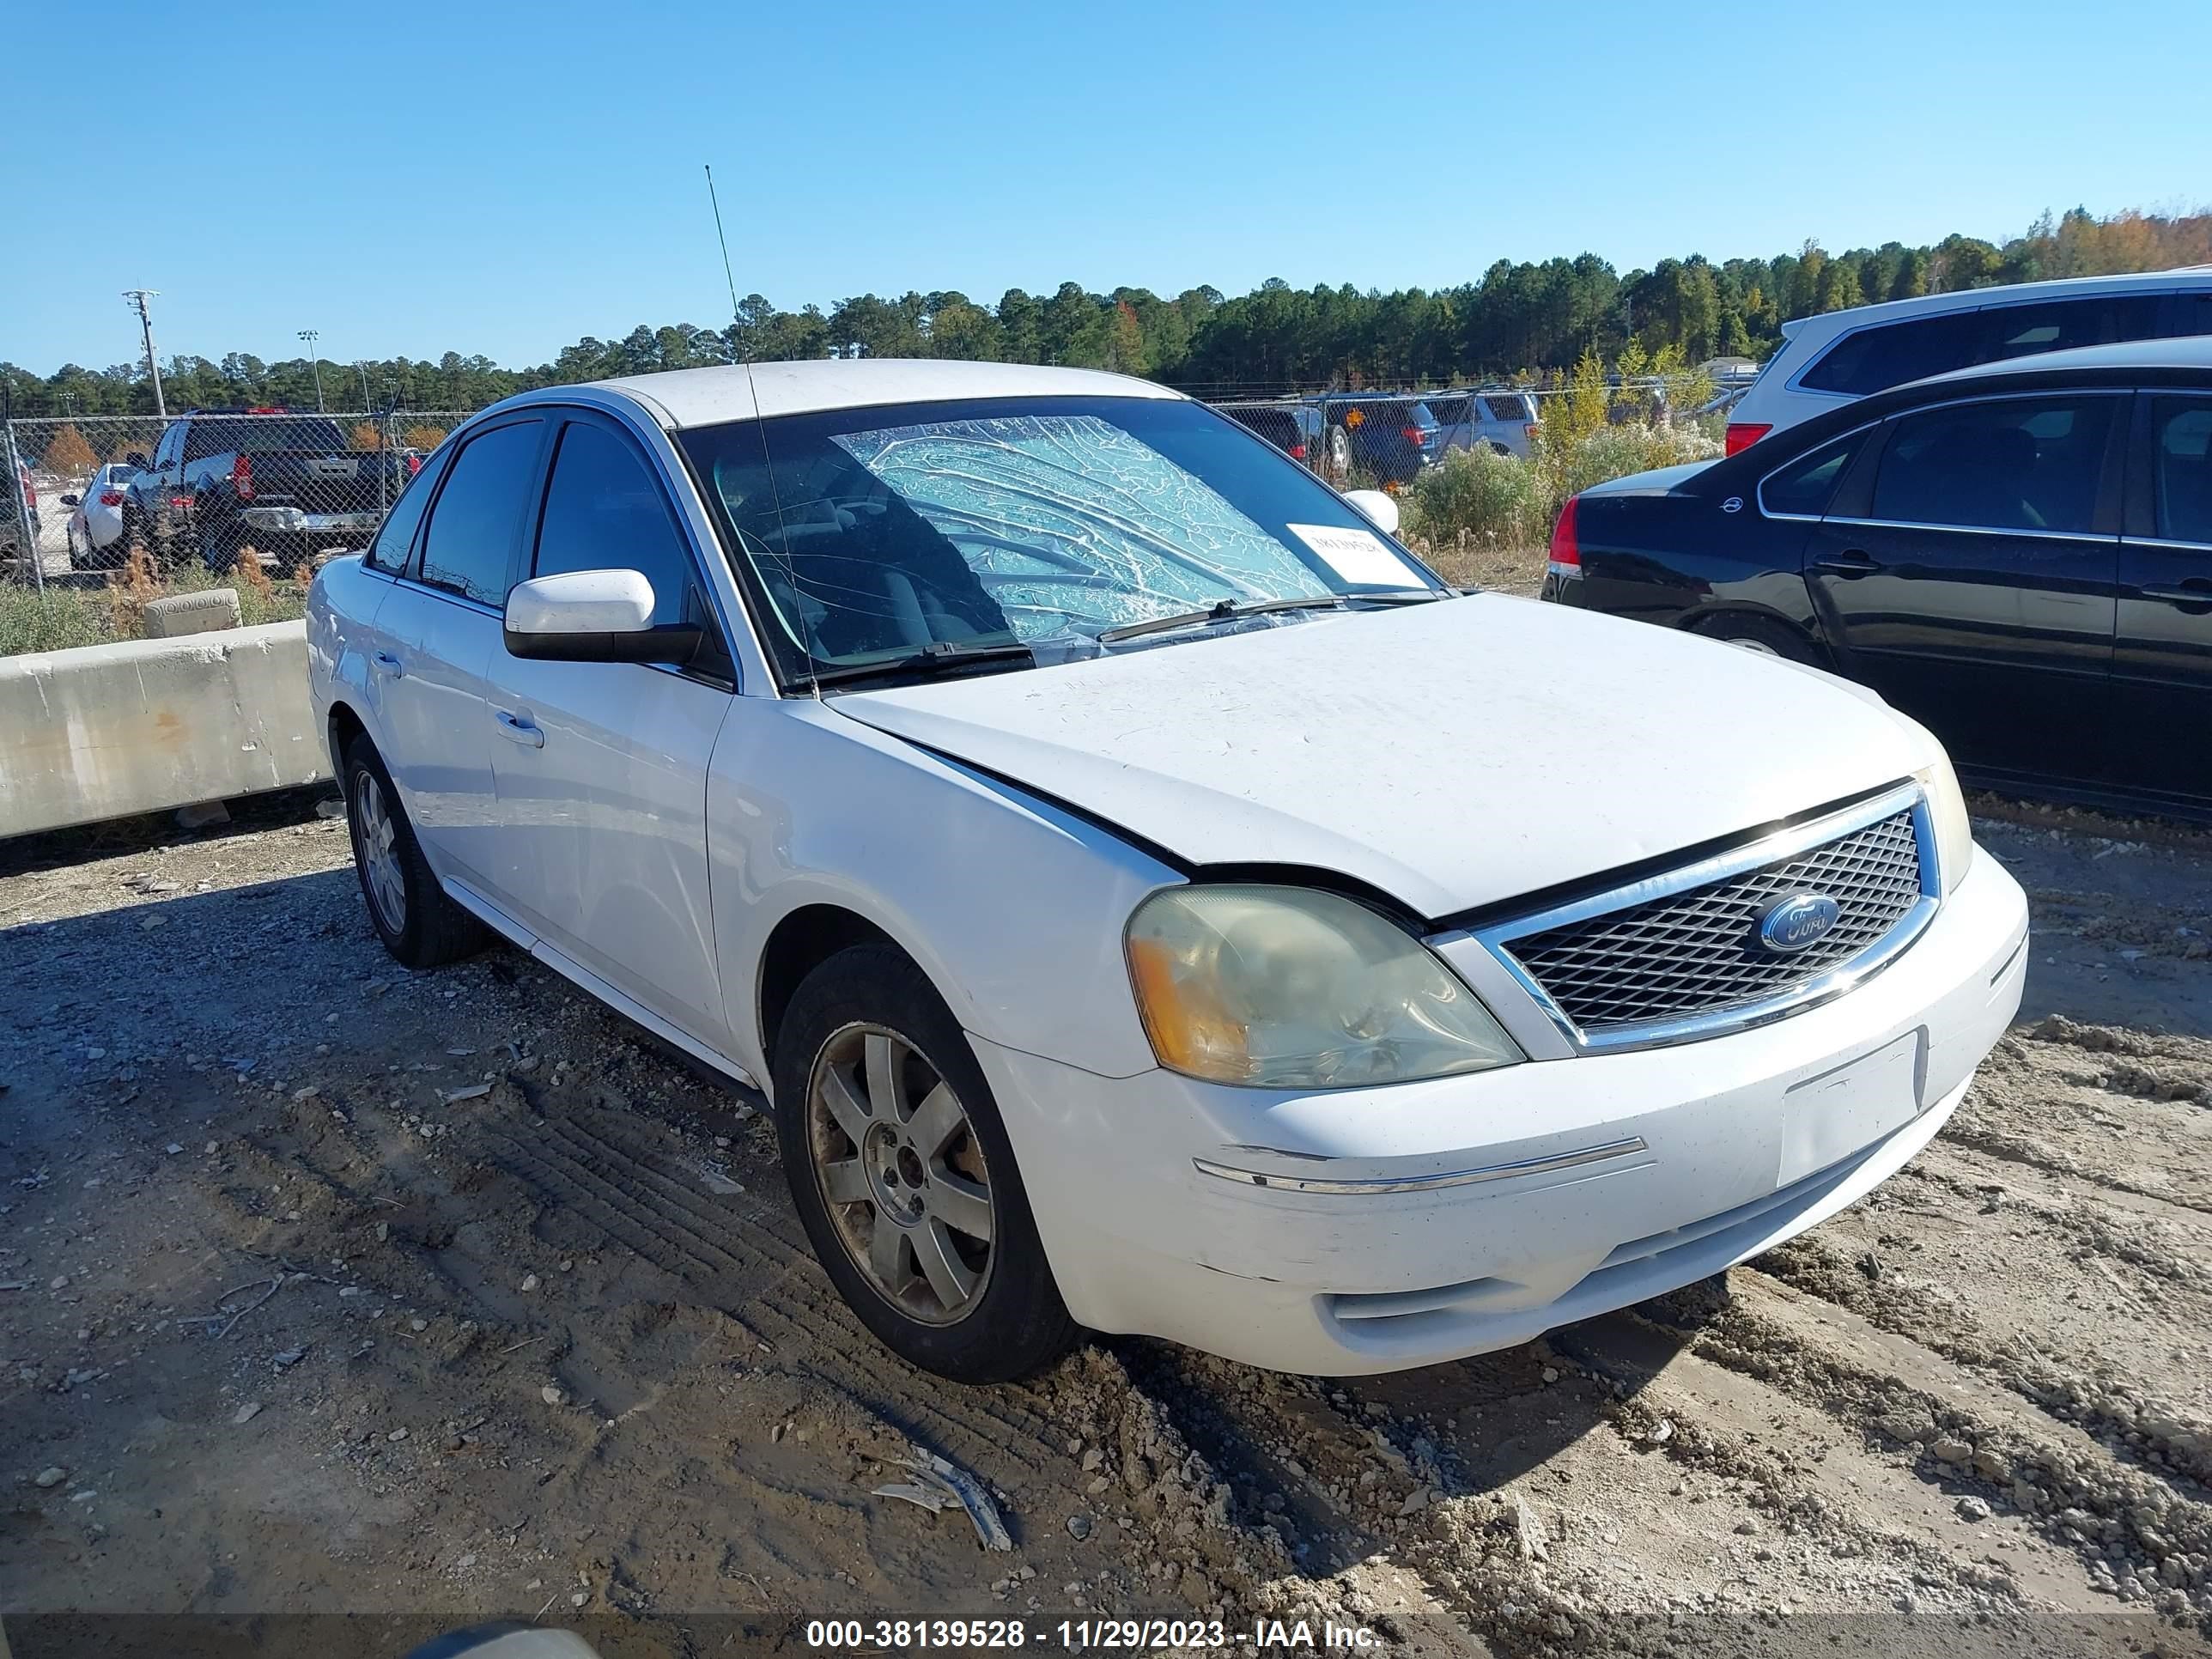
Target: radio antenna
812,647
727,275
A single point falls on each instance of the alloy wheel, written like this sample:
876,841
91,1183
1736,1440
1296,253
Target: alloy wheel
901,1173
375,838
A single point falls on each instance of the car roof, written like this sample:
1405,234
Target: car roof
2186,352
1973,298
684,397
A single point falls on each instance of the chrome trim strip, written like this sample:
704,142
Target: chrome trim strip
1975,530
1527,1166
1770,849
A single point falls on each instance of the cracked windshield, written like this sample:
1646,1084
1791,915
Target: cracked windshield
1044,527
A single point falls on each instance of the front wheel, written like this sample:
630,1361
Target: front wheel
904,1178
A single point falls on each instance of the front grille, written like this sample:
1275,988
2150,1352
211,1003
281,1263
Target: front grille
1698,951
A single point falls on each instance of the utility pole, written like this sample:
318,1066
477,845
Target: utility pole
310,336
137,298
366,402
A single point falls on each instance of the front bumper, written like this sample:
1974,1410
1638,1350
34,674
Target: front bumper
1577,1185
295,521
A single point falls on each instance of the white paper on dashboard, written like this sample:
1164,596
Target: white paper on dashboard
1358,556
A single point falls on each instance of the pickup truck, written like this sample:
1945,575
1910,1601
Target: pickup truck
283,484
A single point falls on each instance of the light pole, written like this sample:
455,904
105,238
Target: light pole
137,297
316,362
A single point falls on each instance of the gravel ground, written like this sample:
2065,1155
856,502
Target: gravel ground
329,1287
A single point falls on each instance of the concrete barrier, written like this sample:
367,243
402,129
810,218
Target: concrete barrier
141,726
208,612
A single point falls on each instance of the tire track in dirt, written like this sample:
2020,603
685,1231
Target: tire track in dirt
2132,1532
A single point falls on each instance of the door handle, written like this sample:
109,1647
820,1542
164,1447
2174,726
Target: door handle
2196,590
521,729
1850,562
390,664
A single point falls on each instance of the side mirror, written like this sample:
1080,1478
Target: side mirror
1377,508
592,616
72,501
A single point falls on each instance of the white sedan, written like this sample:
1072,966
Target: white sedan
95,520
1151,900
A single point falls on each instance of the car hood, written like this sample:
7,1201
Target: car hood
1450,755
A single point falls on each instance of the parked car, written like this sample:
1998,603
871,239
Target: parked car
2019,556
1153,901
284,485
1386,439
1294,429
96,521
1826,361
1503,420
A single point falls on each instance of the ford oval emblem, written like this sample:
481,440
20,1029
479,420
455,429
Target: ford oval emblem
1797,922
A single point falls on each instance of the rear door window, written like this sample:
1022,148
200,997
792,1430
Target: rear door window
2181,469
2062,324
395,538
2029,463
1874,359
470,545
1449,411
1509,410
2187,313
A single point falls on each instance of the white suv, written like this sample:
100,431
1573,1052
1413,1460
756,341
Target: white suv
1153,901
1841,355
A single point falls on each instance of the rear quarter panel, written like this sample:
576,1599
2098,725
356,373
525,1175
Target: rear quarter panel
1676,559
342,607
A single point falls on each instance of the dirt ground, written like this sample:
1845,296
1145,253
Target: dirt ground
327,1287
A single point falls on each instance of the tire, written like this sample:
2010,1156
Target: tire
866,1045
418,924
219,546
1763,634
1338,451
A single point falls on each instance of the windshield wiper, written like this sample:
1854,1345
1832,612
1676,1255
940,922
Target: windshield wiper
942,655
1220,611
1230,610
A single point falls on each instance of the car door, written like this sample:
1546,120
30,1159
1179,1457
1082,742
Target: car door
2162,656
601,768
437,630
1967,571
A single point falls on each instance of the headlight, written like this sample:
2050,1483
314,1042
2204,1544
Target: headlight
1946,810
1284,987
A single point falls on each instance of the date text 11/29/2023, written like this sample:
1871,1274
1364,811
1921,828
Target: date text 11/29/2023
1082,1635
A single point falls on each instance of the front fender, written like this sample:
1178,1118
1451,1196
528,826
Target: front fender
1014,909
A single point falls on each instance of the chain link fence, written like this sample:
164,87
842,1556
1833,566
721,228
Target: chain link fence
1386,439
108,513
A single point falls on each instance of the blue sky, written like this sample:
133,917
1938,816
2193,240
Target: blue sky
493,176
